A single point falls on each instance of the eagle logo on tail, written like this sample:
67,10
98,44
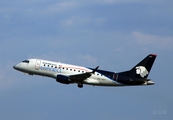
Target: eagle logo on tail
142,71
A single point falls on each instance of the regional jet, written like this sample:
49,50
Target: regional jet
72,74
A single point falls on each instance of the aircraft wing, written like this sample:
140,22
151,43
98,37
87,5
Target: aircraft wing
80,77
83,76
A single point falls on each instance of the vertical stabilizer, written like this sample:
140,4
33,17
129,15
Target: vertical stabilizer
142,69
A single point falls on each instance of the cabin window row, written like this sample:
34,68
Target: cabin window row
73,69
68,69
78,70
50,66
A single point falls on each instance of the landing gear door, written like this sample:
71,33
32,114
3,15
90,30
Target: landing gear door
37,64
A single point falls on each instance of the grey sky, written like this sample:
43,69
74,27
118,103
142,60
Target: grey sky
114,34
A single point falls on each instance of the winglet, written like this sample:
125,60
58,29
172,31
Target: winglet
95,69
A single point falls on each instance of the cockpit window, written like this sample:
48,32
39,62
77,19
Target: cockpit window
26,61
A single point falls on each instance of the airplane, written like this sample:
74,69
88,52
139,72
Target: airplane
72,74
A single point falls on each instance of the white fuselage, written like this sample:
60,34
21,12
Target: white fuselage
52,69
68,74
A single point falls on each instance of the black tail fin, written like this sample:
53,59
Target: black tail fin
142,69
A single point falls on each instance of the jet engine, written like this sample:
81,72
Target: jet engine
63,79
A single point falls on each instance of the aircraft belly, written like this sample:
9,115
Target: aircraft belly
92,81
108,83
101,83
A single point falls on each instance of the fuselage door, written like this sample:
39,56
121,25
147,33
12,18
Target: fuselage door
115,76
37,64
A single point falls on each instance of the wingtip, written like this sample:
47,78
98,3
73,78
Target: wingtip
95,69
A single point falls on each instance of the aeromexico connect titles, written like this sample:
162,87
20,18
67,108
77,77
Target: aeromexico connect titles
71,74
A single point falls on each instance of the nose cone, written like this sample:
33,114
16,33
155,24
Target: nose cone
16,67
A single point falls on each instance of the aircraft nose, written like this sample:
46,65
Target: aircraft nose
16,66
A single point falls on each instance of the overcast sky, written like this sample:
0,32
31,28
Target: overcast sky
114,34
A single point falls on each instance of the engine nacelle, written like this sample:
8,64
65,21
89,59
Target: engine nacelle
62,79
